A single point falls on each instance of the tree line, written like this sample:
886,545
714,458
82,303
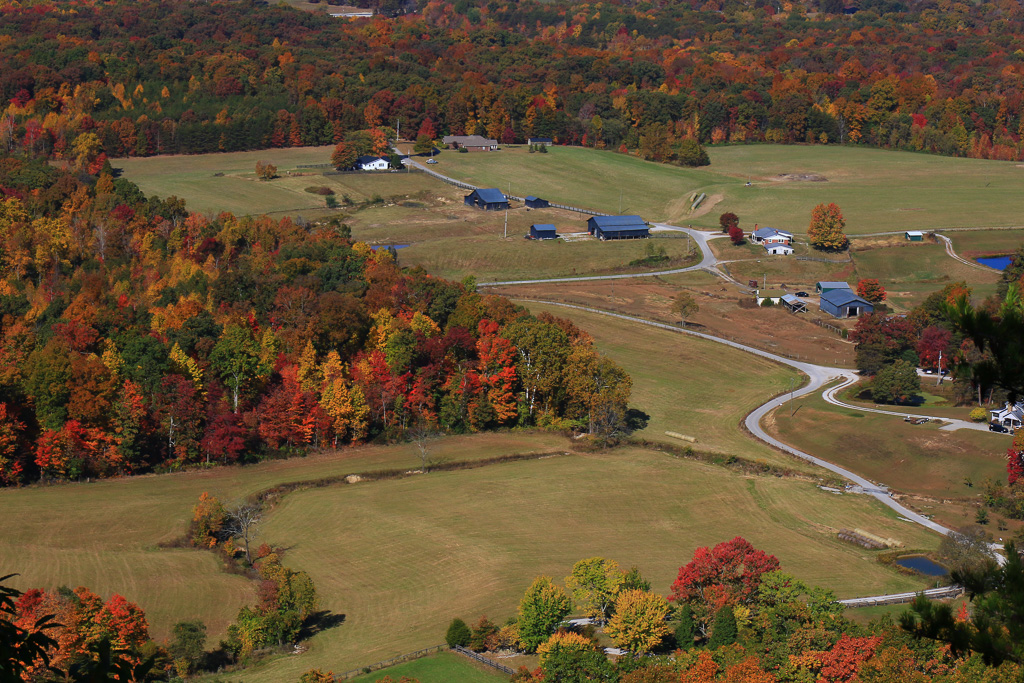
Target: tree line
136,336
142,78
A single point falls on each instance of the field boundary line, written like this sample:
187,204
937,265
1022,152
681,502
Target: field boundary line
398,659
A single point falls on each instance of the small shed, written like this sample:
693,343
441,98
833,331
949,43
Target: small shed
794,303
773,295
489,199
547,142
537,202
914,235
618,227
823,287
778,249
543,231
843,303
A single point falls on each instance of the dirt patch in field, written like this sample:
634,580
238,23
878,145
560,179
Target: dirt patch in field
771,329
799,177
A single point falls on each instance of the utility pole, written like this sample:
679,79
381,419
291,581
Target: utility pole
398,129
506,223
939,380
792,407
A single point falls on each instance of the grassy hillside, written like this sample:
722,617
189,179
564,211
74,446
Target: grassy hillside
878,190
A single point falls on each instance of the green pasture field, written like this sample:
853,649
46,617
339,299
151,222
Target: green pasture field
915,459
400,558
193,178
104,535
688,385
971,244
444,667
878,190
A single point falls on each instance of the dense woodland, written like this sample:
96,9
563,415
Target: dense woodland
160,77
134,336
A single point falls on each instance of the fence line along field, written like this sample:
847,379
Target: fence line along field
400,558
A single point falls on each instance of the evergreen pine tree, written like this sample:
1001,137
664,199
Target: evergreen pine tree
686,630
458,633
724,630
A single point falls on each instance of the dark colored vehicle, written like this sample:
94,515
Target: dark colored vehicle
802,294
996,427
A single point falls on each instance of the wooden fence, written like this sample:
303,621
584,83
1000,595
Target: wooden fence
828,326
408,657
483,660
825,260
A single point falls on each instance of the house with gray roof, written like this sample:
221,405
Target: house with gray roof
768,235
1011,416
471,143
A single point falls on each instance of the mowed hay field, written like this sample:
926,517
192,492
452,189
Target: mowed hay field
689,385
444,667
878,190
104,535
401,558
211,183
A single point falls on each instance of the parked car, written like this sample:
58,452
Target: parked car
996,427
431,161
802,294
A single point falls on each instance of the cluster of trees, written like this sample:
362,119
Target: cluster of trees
733,615
890,348
137,336
139,78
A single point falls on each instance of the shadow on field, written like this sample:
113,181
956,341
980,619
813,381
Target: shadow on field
321,621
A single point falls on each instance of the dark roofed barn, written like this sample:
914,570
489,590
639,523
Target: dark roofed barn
537,202
543,231
618,227
843,303
490,199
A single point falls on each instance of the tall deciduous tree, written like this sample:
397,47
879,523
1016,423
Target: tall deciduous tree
827,227
728,220
237,360
871,290
685,306
594,584
542,608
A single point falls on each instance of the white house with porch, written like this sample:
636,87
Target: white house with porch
368,163
1012,416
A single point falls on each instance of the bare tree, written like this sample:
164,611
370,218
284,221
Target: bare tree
243,522
423,435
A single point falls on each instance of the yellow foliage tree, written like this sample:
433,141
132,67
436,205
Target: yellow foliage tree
638,624
564,641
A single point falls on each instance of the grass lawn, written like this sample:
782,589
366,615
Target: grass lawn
691,386
109,543
916,459
878,190
444,667
401,558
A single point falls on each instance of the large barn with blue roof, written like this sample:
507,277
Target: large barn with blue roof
843,303
618,227
490,199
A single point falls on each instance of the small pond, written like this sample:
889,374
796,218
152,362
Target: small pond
388,246
997,262
922,564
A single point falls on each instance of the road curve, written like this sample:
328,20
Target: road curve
830,397
818,376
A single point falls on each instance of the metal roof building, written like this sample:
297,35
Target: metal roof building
537,202
843,303
543,231
618,227
823,287
490,199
